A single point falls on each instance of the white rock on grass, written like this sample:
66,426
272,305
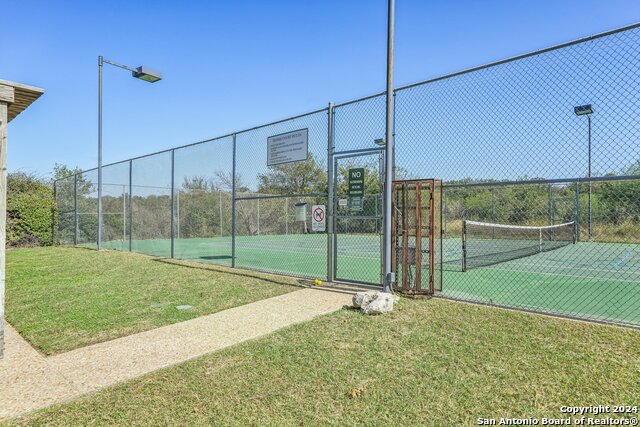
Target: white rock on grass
374,302
364,298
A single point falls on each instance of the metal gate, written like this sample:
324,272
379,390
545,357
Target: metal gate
416,236
357,224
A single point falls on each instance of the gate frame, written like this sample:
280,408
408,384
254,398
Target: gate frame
335,157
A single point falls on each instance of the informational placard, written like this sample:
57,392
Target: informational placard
318,218
343,202
356,182
288,147
355,203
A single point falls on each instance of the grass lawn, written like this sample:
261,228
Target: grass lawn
62,298
431,362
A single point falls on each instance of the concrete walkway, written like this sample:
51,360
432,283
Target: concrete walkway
30,381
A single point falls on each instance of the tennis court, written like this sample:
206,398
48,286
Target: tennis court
597,281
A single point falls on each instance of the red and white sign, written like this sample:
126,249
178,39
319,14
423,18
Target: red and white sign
318,218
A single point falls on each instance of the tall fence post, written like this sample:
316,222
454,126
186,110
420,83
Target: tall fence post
219,209
75,209
130,205
233,205
330,196
173,152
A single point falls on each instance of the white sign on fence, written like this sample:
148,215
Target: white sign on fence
318,218
288,147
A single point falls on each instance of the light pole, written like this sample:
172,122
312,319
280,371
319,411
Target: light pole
388,178
142,73
587,110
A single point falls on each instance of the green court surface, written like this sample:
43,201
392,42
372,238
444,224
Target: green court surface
598,281
358,256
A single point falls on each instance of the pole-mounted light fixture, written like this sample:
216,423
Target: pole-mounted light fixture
142,73
147,74
582,110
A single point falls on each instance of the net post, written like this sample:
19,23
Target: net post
233,205
540,240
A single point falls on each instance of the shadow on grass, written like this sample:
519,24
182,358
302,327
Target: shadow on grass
228,270
301,283
266,276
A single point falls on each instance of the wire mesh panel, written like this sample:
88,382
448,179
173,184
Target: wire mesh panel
151,205
115,206
532,256
270,236
65,202
203,201
516,120
359,124
267,237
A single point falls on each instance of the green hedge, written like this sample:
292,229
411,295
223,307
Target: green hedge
31,211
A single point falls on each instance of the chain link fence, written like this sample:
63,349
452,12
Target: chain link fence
515,159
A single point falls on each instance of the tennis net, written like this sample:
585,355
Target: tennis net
485,244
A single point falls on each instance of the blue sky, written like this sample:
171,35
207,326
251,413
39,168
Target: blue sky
233,65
